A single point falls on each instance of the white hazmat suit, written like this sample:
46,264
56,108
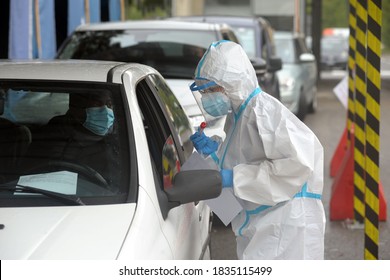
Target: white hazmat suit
277,164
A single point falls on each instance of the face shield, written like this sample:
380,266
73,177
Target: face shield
211,99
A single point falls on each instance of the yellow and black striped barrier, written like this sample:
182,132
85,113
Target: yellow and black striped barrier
371,222
351,70
357,191
360,111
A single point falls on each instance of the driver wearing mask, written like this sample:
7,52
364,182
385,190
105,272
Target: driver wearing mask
78,136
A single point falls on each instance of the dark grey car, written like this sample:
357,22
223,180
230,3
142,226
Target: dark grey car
256,37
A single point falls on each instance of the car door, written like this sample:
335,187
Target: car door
168,130
309,69
269,81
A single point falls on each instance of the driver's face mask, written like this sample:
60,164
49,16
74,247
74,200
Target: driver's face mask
99,120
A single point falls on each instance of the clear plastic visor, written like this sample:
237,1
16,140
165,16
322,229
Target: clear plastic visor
211,99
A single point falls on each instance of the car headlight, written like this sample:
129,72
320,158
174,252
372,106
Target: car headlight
287,84
344,54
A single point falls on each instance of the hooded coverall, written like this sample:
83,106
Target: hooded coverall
277,164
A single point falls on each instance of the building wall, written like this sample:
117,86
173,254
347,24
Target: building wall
187,7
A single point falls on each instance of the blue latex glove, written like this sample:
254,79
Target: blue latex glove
227,178
203,144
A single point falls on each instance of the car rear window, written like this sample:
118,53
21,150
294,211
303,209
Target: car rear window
174,53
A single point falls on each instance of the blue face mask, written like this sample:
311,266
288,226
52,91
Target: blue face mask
99,120
216,103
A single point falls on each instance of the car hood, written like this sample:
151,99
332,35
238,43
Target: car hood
78,232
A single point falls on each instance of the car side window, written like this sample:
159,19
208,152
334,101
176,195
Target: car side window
229,35
302,46
264,49
299,48
162,148
181,124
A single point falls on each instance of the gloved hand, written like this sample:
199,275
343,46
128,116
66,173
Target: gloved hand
203,144
227,178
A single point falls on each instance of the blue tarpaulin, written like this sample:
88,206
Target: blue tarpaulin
32,29
20,30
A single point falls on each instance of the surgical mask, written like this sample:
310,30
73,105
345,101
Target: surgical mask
99,120
216,104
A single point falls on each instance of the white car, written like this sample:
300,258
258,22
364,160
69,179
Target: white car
173,48
298,76
69,190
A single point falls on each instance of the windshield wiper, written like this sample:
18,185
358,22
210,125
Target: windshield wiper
66,198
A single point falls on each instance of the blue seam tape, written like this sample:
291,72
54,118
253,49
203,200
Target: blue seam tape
215,157
200,64
236,117
261,208
194,87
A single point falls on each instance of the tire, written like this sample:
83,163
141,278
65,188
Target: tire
312,108
302,106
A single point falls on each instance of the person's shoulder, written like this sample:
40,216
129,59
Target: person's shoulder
266,100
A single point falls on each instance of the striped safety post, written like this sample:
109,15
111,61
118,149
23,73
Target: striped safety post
351,71
348,198
371,221
360,111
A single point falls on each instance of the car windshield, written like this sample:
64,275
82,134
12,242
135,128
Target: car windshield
62,143
174,53
334,45
246,36
285,49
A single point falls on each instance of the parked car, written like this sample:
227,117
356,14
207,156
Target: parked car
55,200
298,77
334,52
172,48
256,37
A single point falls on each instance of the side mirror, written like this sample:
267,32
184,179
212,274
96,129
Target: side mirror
194,185
259,65
307,57
275,64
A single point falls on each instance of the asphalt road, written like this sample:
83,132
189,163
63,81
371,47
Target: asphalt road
342,241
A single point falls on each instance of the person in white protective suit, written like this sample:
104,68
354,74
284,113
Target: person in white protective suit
271,159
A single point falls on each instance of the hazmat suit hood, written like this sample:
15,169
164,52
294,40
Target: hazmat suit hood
227,64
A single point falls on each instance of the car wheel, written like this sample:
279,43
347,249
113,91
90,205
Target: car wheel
276,88
312,108
302,106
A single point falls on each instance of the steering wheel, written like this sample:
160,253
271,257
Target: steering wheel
86,171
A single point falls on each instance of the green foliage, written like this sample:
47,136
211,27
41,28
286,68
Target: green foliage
133,12
146,9
335,13
386,24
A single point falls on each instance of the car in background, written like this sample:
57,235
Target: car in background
172,48
144,206
334,52
256,37
298,77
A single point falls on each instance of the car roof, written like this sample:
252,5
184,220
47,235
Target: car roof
65,70
150,24
287,35
231,20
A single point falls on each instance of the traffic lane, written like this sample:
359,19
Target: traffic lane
341,242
